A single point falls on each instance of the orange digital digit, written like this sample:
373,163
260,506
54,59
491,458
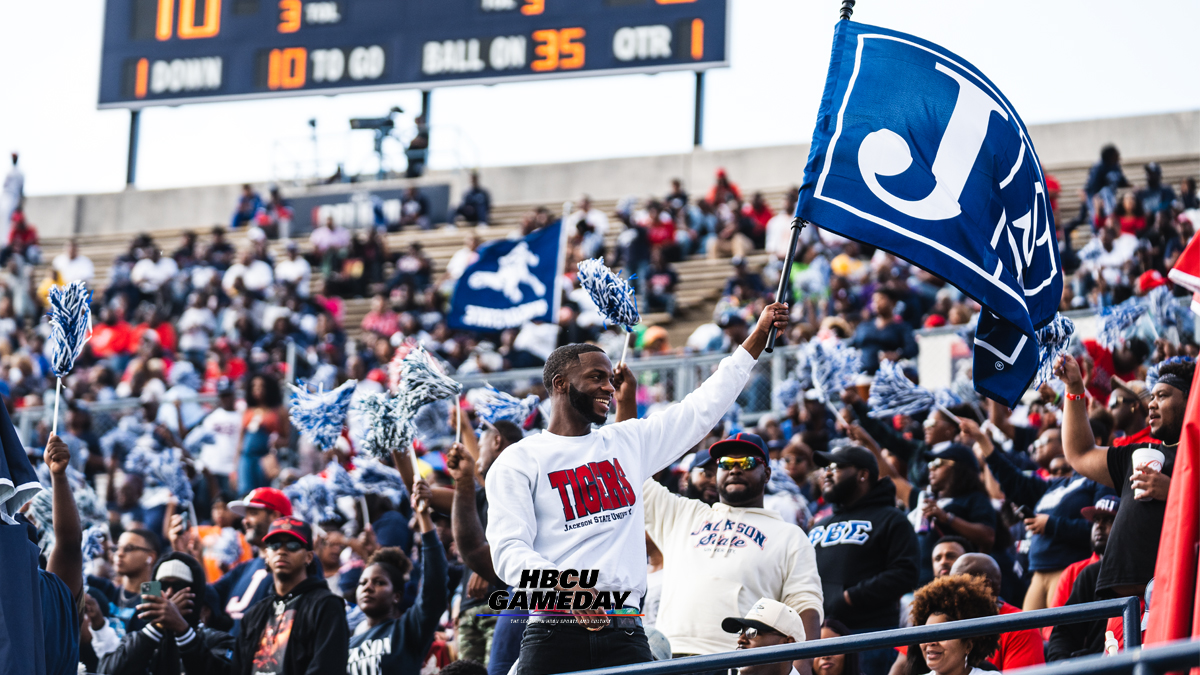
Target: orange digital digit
188,30
287,68
545,50
166,19
533,7
289,16
141,79
697,39
572,51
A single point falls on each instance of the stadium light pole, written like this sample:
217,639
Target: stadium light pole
135,116
698,115
798,223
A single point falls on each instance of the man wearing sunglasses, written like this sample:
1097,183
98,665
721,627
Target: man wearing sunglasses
300,627
736,550
768,623
570,498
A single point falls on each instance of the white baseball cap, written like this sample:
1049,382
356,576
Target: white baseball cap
768,614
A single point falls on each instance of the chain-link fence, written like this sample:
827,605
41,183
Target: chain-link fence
34,423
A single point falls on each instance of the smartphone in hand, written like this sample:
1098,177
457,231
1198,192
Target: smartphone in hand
152,588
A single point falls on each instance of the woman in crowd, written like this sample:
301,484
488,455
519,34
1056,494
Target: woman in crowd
264,419
388,641
838,664
956,501
952,598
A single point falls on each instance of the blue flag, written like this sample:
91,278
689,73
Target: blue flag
917,153
514,281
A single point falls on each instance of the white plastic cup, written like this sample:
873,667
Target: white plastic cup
1147,458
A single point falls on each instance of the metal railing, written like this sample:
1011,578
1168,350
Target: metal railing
1171,656
1128,608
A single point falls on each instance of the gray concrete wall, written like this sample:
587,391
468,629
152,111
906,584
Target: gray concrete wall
1061,144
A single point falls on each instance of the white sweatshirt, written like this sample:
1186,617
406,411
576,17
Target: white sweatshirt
719,560
575,502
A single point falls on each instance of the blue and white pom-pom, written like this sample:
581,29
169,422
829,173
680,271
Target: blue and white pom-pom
70,324
493,405
1052,341
170,472
1152,371
319,415
1164,311
312,500
93,542
1115,321
388,424
423,380
339,481
227,549
892,393
832,366
787,393
376,478
614,296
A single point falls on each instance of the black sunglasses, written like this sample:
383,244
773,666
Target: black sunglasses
291,545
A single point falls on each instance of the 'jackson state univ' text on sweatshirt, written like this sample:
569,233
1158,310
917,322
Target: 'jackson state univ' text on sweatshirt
575,502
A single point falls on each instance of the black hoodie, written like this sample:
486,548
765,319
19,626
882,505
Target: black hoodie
151,651
308,632
869,550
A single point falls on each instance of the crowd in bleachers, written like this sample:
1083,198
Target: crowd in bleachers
967,510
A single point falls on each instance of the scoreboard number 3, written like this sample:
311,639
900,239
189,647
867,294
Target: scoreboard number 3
558,49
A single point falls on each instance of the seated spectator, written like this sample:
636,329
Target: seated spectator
733,237
381,320
330,245
1103,180
294,270
1108,254
750,282
1129,215
768,623
153,272
761,214
1101,517
587,213
112,335
248,275
414,209
413,269
73,267
220,252
677,199
275,217
247,207
884,336
724,190
172,639
23,237
837,664
660,284
462,259
1019,648
1156,197
1122,363
476,203
953,598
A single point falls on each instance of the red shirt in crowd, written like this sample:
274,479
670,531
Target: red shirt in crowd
108,341
167,336
1100,384
662,232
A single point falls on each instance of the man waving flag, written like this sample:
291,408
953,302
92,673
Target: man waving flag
917,153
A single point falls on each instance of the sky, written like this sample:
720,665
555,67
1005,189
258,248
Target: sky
1056,60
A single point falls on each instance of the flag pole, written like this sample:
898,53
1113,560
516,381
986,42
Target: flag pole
785,275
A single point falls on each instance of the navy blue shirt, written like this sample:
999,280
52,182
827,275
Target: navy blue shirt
1068,535
60,626
974,507
241,587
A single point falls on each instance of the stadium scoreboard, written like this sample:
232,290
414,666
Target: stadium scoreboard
169,52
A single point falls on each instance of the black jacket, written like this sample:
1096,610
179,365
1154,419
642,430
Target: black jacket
151,651
868,550
1079,639
318,641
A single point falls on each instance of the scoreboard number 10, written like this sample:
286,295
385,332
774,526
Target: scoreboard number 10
210,26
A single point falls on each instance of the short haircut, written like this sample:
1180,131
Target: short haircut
152,539
562,358
510,432
967,546
958,597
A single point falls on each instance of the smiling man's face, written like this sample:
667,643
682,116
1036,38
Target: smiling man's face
590,386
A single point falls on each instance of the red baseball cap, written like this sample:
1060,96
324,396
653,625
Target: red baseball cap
263,498
1149,281
292,527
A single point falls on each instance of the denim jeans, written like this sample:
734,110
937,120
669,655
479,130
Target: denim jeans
566,647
